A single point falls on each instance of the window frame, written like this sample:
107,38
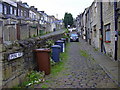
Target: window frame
18,12
11,10
107,32
21,12
25,13
15,11
5,9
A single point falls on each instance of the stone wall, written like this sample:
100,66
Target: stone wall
95,21
9,30
24,31
108,18
14,70
1,53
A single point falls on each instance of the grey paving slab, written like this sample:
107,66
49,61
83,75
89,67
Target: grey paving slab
109,65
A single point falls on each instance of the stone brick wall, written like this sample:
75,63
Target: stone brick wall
1,53
14,71
9,30
33,31
24,32
18,31
95,21
108,17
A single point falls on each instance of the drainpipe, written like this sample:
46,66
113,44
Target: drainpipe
101,21
86,27
116,36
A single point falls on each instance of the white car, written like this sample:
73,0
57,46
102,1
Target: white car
70,29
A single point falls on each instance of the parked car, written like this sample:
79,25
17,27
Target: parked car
74,37
72,29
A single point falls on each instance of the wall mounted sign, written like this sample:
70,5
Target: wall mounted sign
15,55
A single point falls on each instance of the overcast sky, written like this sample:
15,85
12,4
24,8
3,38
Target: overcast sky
59,7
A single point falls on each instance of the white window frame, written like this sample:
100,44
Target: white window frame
107,36
11,10
107,33
15,12
18,12
5,10
21,12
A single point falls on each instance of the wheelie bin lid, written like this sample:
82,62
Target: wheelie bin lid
56,46
42,50
60,41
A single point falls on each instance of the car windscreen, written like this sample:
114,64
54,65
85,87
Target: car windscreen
74,35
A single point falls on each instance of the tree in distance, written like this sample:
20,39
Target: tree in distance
68,20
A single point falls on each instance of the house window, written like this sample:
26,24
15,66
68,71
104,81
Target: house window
107,32
95,7
25,13
32,15
15,12
18,12
11,10
1,8
21,13
5,10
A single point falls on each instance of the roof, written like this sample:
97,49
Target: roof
11,2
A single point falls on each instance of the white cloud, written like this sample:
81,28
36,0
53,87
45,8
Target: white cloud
53,7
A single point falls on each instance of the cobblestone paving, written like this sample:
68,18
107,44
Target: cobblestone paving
80,72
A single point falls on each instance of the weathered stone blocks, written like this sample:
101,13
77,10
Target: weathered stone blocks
14,71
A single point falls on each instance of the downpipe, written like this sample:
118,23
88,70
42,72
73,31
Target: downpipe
116,35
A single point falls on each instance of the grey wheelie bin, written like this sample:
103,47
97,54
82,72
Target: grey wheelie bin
62,44
56,49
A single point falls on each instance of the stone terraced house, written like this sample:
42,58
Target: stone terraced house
9,13
100,25
21,21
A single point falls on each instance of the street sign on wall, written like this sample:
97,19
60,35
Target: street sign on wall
15,55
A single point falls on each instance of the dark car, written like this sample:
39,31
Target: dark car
74,37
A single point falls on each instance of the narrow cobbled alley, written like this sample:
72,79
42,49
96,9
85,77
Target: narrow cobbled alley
81,71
